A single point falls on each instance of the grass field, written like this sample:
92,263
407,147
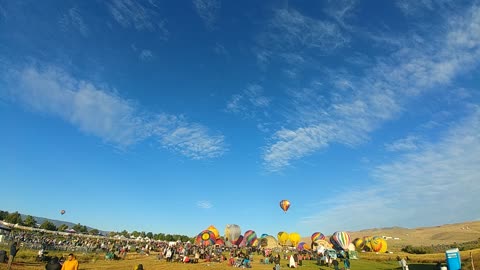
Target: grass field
368,261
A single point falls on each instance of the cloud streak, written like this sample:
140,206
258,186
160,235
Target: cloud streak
137,15
73,19
430,181
204,204
291,34
349,116
249,102
102,113
208,10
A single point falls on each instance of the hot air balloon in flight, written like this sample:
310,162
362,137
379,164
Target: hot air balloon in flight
62,212
205,238
340,240
294,238
285,204
317,236
282,238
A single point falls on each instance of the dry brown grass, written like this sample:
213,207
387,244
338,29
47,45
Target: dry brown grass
423,236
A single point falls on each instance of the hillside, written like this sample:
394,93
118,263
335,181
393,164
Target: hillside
423,236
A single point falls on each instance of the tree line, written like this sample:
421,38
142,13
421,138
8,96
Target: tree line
30,221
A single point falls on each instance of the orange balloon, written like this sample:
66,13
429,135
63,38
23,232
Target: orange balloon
285,204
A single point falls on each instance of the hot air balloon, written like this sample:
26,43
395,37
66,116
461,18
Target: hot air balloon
214,230
250,236
220,242
282,238
241,241
323,243
294,238
205,238
317,236
378,244
285,204
359,243
302,246
232,233
340,240
62,212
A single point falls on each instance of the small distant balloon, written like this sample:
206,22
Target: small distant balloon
285,204
62,212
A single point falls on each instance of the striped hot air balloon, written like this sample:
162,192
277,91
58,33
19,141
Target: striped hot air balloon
250,237
317,236
340,240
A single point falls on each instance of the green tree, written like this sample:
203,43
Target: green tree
80,228
48,225
150,235
169,237
93,232
14,218
135,234
125,233
3,215
30,222
62,227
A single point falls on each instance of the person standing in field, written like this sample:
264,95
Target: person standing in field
71,263
13,252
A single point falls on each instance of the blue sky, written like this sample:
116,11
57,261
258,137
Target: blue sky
170,116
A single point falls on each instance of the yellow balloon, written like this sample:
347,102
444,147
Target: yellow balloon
214,230
282,238
294,238
378,244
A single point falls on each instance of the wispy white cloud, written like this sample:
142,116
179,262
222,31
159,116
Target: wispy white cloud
102,113
349,116
146,55
425,186
138,15
290,33
341,11
204,204
208,10
409,143
249,101
73,19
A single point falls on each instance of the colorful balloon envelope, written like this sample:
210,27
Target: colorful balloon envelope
302,246
62,212
359,243
282,238
205,238
214,230
340,240
220,242
317,236
285,204
378,244
232,233
250,236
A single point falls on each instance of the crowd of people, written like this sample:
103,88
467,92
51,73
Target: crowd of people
179,252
